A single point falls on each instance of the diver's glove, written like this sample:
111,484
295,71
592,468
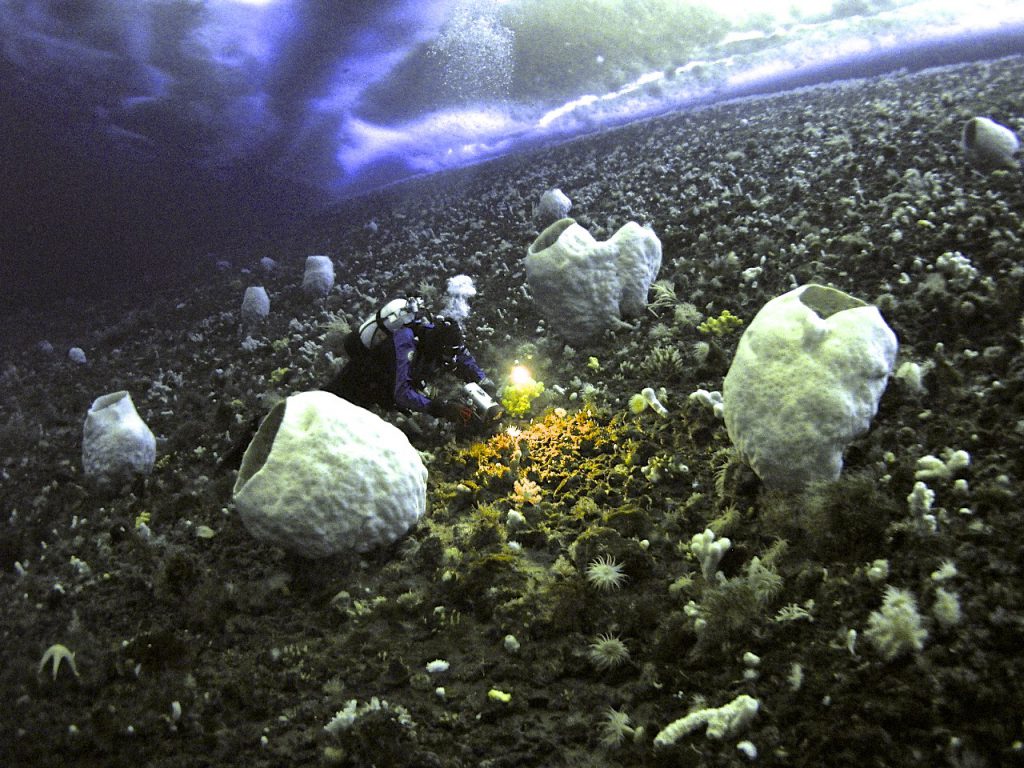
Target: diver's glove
452,410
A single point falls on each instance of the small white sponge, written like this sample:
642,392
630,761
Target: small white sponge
318,276
554,205
324,476
988,145
806,380
584,287
116,443
255,304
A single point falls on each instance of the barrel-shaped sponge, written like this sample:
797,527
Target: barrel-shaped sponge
584,287
323,476
805,381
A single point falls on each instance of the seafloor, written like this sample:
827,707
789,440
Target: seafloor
195,645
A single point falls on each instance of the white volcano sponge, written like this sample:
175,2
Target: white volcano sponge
989,146
116,443
584,287
318,276
554,205
806,380
324,476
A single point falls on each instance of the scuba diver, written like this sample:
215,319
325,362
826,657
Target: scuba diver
396,352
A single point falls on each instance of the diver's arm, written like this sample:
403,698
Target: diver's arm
405,393
467,367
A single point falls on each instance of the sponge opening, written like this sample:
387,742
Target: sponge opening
826,302
550,236
259,449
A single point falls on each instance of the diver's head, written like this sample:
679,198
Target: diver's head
443,342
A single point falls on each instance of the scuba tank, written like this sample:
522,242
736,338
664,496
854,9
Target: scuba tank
396,314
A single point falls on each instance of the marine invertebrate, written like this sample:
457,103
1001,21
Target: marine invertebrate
604,573
255,304
637,404
806,380
55,655
554,205
335,330
920,502
934,468
663,362
584,287
318,276
519,393
763,579
647,398
709,552
946,608
725,323
116,443
554,448
895,629
375,486
615,727
651,398
353,711
721,722
793,612
989,146
686,314
526,492
499,696
607,651
664,292
427,291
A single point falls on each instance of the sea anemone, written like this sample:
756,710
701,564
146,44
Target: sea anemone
605,574
615,727
608,651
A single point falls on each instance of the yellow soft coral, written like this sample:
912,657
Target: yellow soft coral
724,323
520,392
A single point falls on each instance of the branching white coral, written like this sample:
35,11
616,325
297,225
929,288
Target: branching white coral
920,502
651,398
722,722
935,468
346,717
709,551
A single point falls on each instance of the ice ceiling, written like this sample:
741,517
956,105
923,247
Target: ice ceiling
346,95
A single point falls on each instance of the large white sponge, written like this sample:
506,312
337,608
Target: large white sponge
324,476
806,380
584,287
